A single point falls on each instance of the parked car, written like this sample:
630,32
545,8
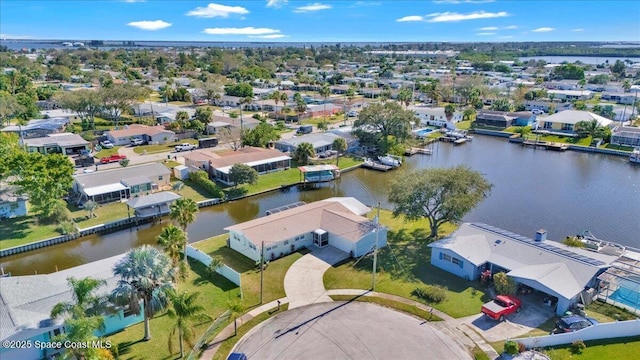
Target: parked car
106,144
185,147
305,129
572,323
112,158
537,111
502,306
352,113
136,142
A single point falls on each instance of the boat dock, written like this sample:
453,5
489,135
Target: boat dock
545,144
377,166
460,141
413,151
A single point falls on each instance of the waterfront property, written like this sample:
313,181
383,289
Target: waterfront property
318,173
11,204
118,184
503,119
564,274
337,222
150,134
219,163
626,136
564,122
436,116
39,127
63,143
157,204
27,302
321,142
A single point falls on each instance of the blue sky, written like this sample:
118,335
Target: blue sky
325,21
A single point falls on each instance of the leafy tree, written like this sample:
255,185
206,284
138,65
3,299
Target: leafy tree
182,116
449,110
304,152
504,284
404,96
28,109
185,310
323,125
580,105
301,106
86,103
59,73
378,122
81,330
241,90
439,195
173,241
568,71
243,174
501,105
124,162
9,107
339,145
275,96
618,69
204,115
183,211
145,275
119,98
261,135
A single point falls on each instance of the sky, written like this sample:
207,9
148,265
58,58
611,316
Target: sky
322,21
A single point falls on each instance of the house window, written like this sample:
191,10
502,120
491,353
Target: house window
548,125
455,261
127,312
159,177
446,257
567,127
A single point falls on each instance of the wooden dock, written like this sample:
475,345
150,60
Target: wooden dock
557,146
460,141
547,145
376,166
413,151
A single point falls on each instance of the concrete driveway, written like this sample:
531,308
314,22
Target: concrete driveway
303,281
347,330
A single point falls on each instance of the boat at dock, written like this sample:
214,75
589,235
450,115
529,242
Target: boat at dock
390,160
635,156
604,247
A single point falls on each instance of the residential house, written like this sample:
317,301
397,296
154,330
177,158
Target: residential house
626,135
346,132
226,122
151,134
564,122
571,95
39,127
63,143
323,110
435,116
557,271
505,119
11,205
562,85
339,222
546,105
120,184
152,205
619,98
321,142
219,163
27,302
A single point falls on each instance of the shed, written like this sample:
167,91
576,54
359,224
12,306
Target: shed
181,172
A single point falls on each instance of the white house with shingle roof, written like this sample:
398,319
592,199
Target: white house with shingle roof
558,271
151,134
565,121
337,222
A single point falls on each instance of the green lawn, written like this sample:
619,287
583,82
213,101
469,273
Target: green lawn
616,147
106,152
215,294
404,266
24,230
151,149
104,213
464,125
618,349
565,139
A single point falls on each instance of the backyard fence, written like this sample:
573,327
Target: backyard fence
223,270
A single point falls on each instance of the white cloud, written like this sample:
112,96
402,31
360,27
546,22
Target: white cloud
485,33
276,3
543,29
463,1
241,31
270,36
150,25
410,18
217,10
312,7
510,27
488,28
577,30
452,16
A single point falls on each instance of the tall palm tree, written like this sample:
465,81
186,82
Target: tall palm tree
301,107
284,98
449,109
146,276
243,101
85,301
304,152
325,92
185,309
339,145
275,96
173,240
184,211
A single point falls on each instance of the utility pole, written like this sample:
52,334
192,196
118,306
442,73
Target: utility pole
375,250
261,271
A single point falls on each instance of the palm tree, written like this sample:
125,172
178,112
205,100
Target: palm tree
325,92
284,98
275,96
301,107
85,301
285,110
173,240
523,131
90,206
626,85
449,109
178,186
303,153
183,211
590,128
243,101
339,145
185,310
146,275
404,96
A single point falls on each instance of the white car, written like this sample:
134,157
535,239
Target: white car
106,144
185,147
136,142
537,111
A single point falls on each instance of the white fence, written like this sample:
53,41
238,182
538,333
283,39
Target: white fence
223,270
595,332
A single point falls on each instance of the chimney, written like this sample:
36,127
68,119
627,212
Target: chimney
541,235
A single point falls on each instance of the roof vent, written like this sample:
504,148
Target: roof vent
541,235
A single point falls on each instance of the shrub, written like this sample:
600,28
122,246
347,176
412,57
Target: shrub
504,284
577,347
431,293
573,242
511,347
202,179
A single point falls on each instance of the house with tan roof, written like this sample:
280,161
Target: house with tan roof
150,134
218,163
339,222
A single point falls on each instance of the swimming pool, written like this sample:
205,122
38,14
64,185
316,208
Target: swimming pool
422,132
628,293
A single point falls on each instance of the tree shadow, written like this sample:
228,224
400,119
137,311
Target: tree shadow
234,193
16,228
206,277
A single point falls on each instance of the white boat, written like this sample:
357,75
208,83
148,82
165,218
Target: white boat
635,156
390,160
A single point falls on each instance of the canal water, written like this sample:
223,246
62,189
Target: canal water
562,192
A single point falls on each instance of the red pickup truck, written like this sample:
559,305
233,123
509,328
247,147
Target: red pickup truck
502,306
112,158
